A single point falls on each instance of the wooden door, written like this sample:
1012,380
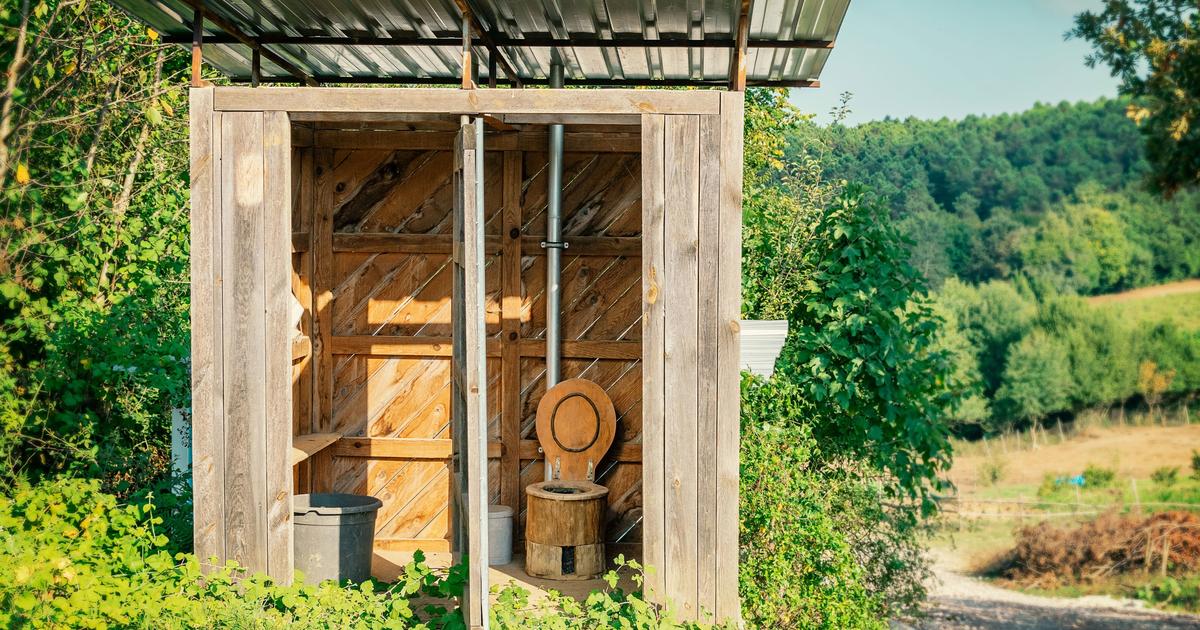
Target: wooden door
468,374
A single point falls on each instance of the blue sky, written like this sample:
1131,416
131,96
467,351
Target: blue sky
935,58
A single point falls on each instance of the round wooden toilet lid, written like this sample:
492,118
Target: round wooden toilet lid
576,424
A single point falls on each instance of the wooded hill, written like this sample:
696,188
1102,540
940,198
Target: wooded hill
1054,193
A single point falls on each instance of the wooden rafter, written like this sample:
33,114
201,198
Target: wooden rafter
737,68
485,36
233,31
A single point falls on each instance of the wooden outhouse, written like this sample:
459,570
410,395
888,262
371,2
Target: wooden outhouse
369,266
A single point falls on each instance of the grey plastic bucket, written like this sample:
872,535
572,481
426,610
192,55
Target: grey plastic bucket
333,535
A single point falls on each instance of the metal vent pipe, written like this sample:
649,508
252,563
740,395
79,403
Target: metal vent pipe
554,243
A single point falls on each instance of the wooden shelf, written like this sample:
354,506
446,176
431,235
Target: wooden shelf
304,446
301,347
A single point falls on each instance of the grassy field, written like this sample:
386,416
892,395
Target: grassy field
1005,485
1178,301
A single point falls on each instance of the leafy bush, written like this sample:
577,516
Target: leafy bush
71,556
1196,465
991,470
798,569
1169,591
1165,475
1098,476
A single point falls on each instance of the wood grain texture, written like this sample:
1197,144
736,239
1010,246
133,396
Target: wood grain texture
510,333
208,464
361,101
729,305
308,444
322,311
243,272
277,333
706,366
682,166
653,330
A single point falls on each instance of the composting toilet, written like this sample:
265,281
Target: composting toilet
564,525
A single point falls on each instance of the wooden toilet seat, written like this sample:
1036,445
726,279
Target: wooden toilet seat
576,424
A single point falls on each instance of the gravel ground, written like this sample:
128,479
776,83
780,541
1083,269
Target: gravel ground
958,601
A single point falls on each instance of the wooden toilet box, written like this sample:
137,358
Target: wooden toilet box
564,535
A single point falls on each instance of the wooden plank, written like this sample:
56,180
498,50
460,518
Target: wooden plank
682,183
729,306
301,347
243,273
300,242
404,448
653,328
428,545
627,452
523,140
586,349
322,333
207,414
630,246
473,260
442,101
302,288
277,334
307,445
392,346
392,243
706,364
510,332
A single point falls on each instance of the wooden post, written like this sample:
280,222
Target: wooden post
510,333
468,81
208,440
197,46
653,377
737,69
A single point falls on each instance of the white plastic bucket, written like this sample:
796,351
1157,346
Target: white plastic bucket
500,533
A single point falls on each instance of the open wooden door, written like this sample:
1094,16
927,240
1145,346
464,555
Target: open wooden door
468,380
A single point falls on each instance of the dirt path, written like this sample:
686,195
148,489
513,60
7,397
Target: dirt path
959,601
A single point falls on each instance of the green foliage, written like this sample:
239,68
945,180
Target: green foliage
1033,354
1196,465
798,570
804,511
93,242
72,556
991,470
1098,476
1037,378
1150,46
1170,591
1165,475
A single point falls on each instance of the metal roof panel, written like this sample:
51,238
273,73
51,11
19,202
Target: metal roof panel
646,37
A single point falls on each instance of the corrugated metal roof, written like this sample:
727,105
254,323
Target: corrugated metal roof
673,41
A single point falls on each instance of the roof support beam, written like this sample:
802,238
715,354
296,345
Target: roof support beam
737,69
527,42
197,47
242,38
468,15
401,81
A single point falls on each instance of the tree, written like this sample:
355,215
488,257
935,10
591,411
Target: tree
1152,383
1037,379
1150,45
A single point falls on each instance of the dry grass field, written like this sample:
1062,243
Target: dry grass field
1130,451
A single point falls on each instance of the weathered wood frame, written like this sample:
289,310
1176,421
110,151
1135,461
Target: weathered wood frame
691,214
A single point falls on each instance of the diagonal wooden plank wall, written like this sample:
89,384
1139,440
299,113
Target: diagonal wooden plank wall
382,218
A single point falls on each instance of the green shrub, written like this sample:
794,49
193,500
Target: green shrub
1166,475
991,470
71,556
1097,476
1196,465
1048,486
798,569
